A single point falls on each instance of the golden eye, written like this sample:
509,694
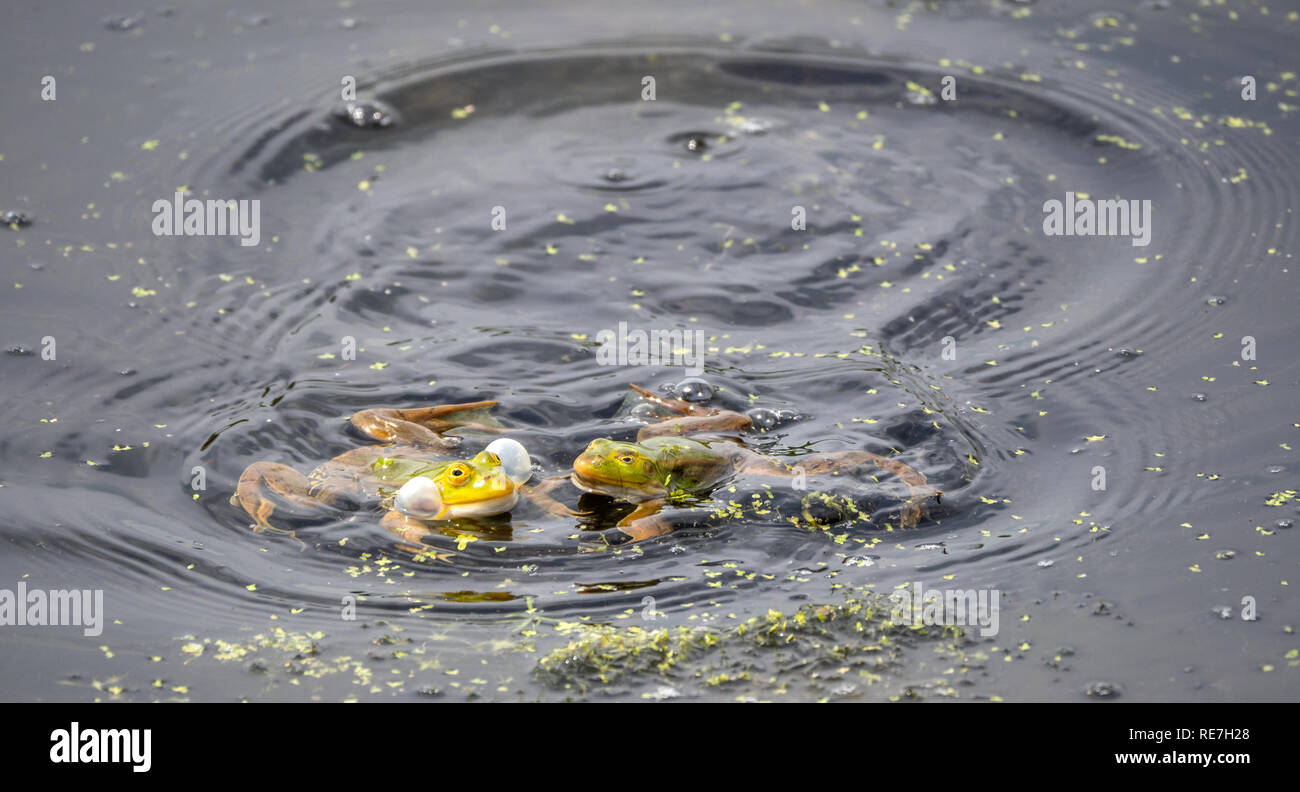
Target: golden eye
626,460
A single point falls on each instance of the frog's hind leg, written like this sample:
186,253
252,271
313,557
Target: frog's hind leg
840,461
690,419
423,426
261,479
920,489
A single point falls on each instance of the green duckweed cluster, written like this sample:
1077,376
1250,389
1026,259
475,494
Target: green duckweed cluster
834,648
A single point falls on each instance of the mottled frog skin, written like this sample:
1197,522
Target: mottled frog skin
664,462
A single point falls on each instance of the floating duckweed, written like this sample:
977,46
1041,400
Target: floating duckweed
819,639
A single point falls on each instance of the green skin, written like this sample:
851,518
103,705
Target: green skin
655,467
664,462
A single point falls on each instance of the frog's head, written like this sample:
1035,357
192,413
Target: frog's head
485,485
614,468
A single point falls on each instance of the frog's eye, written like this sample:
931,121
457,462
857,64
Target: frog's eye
458,475
626,460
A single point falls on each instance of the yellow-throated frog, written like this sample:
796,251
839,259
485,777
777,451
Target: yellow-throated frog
410,473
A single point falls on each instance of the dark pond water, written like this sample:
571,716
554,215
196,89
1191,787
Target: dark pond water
922,313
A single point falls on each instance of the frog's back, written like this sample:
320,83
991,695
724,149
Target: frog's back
692,465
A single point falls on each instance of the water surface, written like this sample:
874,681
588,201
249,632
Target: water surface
924,234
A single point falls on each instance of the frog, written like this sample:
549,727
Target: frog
669,459
410,472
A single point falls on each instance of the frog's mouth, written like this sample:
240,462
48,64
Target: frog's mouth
484,508
603,486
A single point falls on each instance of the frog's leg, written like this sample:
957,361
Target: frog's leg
414,531
423,426
830,463
645,522
540,496
260,479
692,418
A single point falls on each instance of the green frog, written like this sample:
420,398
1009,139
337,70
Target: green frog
410,472
665,462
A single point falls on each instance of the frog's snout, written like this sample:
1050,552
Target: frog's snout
587,464
419,498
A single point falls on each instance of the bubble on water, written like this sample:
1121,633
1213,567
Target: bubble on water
694,389
763,419
921,98
1222,611
616,175
367,115
1215,299
19,350
349,23
1045,563
1066,651
861,560
1224,555
696,142
1284,524
11,218
1103,690
127,372
1200,397
755,126
529,569
36,265
1125,352
644,412
1275,469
